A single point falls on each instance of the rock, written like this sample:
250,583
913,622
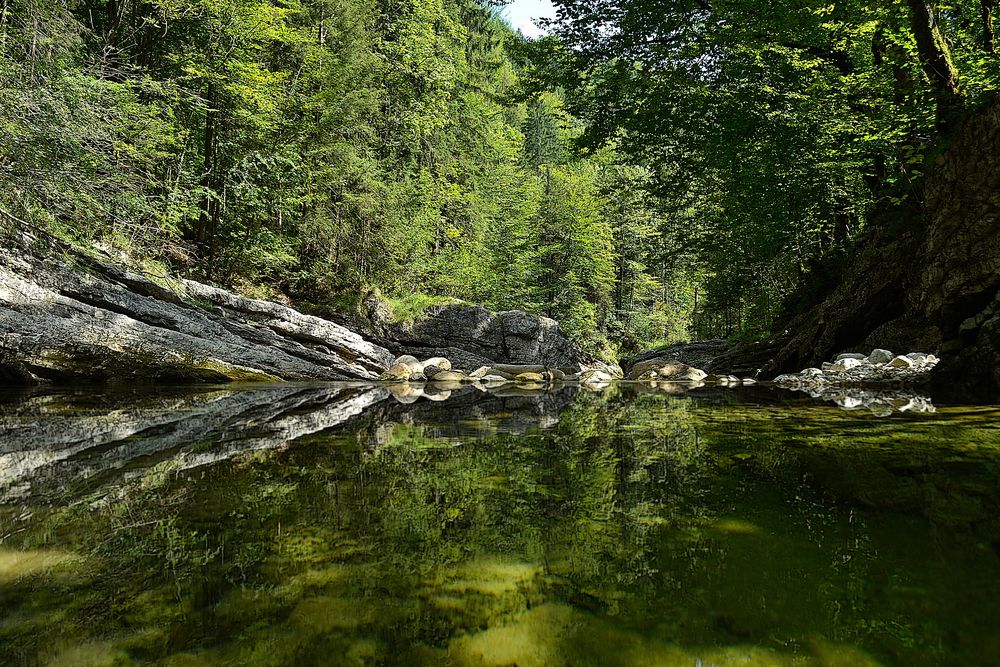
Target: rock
842,365
471,336
665,369
511,371
699,354
449,376
918,358
880,356
396,373
595,376
432,370
411,362
850,355
494,379
104,323
440,362
529,377
480,372
901,362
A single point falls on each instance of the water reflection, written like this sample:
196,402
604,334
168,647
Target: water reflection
335,525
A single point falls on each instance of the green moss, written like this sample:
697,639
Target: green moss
411,307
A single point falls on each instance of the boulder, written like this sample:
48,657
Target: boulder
529,377
440,362
880,356
665,369
396,373
850,355
471,337
449,376
68,317
699,354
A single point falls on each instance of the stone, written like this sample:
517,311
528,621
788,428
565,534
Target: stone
480,372
901,362
440,362
411,362
471,336
529,377
449,376
667,370
431,370
918,358
396,373
698,354
844,365
880,356
850,355
595,376
511,371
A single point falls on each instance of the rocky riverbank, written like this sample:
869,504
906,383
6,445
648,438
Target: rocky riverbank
70,317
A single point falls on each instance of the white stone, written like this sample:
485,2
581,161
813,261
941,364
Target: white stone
850,355
844,365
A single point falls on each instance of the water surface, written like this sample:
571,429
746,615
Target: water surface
337,525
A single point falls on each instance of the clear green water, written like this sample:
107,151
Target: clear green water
335,526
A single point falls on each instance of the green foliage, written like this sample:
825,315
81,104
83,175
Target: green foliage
316,148
770,134
650,172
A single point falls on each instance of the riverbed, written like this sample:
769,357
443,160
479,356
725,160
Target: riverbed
344,524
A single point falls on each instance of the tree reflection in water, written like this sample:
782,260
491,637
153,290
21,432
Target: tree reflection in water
301,524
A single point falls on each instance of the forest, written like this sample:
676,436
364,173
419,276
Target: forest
649,171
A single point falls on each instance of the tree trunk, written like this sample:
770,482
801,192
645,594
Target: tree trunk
935,57
989,35
208,168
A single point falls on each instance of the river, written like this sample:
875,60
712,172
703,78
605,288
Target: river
341,524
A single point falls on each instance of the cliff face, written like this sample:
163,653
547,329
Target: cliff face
925,278
66,317
958,292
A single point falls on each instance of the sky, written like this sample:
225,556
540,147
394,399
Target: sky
521,12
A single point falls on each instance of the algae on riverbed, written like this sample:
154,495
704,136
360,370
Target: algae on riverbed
605,529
